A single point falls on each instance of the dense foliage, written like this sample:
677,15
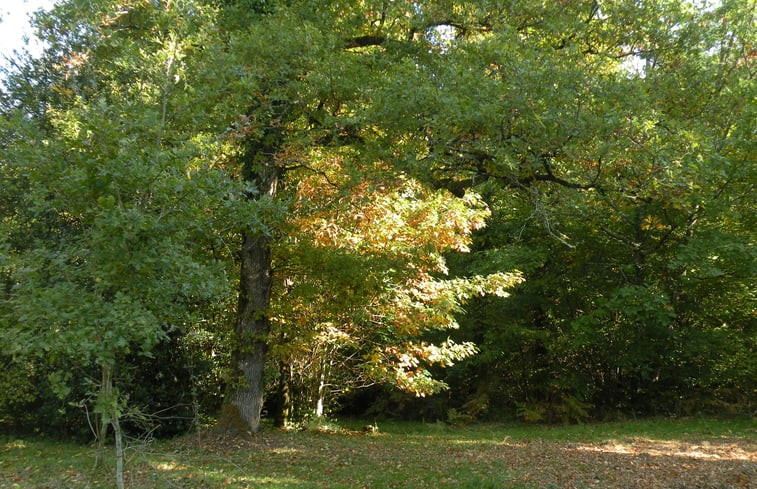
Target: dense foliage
309,203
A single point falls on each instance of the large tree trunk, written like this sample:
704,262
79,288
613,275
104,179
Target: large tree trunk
246,399
243,406
242,409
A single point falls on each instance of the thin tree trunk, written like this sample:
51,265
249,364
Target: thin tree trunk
119,453
101,421
283,405
110,417
321,402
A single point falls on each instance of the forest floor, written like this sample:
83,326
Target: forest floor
683,454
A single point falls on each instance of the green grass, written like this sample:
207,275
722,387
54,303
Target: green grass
402,455
690,429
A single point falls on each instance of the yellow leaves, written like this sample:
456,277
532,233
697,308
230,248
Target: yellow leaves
406,364
367,254
332,334
497,283
399,218
71,63
653,223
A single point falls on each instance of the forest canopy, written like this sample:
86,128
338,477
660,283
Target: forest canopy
247,209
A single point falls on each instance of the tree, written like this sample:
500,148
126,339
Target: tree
362,283
625,172
112,200
309,107
202,98
342,146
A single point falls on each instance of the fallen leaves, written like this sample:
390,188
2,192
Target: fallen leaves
431,459
635,463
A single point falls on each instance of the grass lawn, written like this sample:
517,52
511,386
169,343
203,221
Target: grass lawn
679,454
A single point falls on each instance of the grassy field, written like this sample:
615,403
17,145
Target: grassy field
694,453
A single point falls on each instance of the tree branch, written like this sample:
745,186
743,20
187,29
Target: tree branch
364,41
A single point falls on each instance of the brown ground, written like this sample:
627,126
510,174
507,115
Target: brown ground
637,464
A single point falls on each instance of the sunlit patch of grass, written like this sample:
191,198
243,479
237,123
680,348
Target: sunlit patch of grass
704,450
15,444
285,451
168,466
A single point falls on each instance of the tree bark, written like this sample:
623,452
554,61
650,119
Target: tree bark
119,452
101,420
252,329
283,406
321,402
242,410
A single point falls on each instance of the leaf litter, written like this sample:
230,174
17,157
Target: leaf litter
447,459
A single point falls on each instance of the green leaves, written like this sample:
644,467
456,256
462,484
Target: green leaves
117,204
138,155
